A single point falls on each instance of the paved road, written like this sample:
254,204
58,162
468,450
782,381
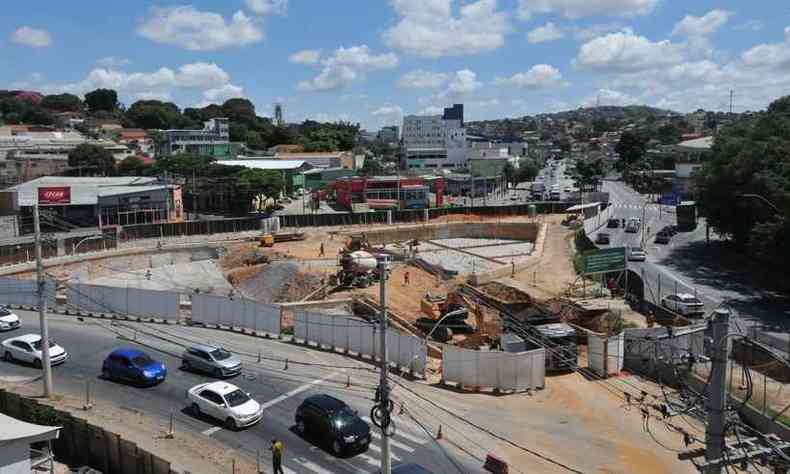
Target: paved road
280,391
689,265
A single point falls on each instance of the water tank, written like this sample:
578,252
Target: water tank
532,210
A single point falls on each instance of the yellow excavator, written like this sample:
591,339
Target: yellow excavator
450,314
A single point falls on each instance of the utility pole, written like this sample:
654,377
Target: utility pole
42,307
167,199
730,101
386,462
717,398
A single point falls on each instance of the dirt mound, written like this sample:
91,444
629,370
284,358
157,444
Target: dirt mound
275,282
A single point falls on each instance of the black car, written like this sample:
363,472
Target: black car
670,229
613,223
663,237
332,422
602,238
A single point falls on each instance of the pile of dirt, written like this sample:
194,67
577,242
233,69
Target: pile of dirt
275,282
506,294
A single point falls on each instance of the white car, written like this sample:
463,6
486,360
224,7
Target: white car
684,303
8,320
636,254
225,402
27,348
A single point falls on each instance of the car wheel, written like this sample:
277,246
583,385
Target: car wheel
337,448
195,409
230,424
300,427
105,374
187,366
8,357
217,372
37,363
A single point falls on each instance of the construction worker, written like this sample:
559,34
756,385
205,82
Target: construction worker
406,278
651,319
277,456
321,250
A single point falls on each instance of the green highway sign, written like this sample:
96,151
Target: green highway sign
604,260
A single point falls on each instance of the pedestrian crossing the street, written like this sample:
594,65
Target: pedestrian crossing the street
404,443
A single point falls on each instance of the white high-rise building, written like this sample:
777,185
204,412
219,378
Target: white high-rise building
433,141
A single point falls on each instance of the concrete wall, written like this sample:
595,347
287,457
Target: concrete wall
15,457
504,230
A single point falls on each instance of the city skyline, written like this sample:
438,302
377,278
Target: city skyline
374,62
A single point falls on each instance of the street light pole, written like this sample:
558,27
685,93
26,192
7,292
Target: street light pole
42,307
386,462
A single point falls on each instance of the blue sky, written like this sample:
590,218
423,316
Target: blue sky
371,61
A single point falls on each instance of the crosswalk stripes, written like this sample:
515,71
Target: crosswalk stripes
375,447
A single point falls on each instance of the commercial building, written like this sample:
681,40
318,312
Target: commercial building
433,141
465,184
689,158
388,192
97,202
329,159
213,140
320,177
292,170
389,134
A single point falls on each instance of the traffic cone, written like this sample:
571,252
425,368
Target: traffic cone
439,434
286,365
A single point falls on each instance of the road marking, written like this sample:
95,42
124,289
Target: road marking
368,459
378,451
397,444
298,390
211,431
310,465
400,431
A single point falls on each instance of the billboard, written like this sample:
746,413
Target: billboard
604,260
54,195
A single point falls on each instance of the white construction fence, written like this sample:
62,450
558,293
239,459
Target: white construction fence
351,334
133,302
25,292
236,313
597,221
513,371
606,356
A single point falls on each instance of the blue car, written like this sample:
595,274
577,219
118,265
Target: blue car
133,366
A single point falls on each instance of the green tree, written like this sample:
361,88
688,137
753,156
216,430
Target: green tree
91,160
631,149
527,170
155,114
589,173
669,134
751,157
371,167
240,111
102,99
62,103
132,166
255,141
238,132
259,186
510,173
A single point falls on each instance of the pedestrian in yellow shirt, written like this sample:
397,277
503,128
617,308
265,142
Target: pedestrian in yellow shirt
277,456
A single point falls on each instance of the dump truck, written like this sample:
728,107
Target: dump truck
686,215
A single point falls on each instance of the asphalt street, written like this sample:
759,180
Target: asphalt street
279,391
688,265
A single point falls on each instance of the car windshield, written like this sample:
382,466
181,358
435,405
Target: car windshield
142,360
636,250
691,300
236,398
220,354
4,311
37,344
343,418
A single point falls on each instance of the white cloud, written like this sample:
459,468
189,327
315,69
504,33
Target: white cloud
348,65
596,30
197,30
431,110
267,7
201,75
583,8
769,55
430,28
626,51
609,97
390,114
306,56
545,33
421,79
151,95
223,93
463,82
28,36
486,103
113,62
538,76
701,25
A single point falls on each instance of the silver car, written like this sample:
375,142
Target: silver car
213,360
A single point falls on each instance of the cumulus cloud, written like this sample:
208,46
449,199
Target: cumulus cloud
582,8
306,56
430,28
389,113
701,25
626,51
267,7
32,37
596,30
196,30
222,93
545,33
769,55
201,75
431,110
421,79
538,76
463,82
609,97
347,65
113,62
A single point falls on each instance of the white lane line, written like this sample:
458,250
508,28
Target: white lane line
400,431
397,444
297,390
211,431
310,465
368,459
377,449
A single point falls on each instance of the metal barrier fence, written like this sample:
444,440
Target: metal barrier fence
133,302
606,356
516,371
236,313
24,292
597,221
656,351
778,341
355,335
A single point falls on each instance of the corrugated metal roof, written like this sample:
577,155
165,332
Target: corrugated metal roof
14,429
84,191
265,164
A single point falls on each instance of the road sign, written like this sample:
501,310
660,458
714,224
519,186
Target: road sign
603,261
